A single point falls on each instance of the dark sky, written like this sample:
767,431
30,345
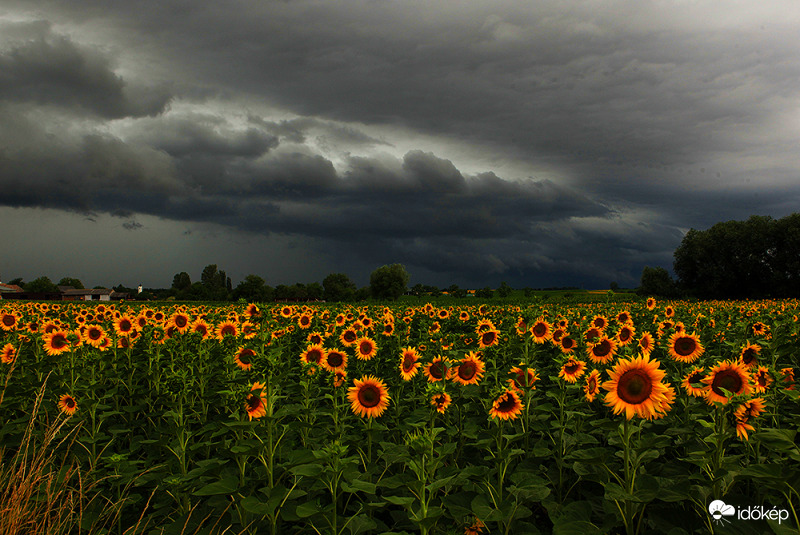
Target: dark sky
542,143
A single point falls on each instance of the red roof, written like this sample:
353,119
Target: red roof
10,288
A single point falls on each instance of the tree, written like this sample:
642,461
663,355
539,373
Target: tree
181,281
254,289
388,282
657,282
216,282
338,287
613,286
742,259
314,291
41,285
17,282
504,290
69,281
454,291
486,293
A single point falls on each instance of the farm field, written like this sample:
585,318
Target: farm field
261,418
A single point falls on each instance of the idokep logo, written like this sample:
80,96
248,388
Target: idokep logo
719,510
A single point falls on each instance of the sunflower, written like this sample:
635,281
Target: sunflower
470,370
226,328
743,414
625,334
692,381
256,403
304,320
540,331
685,347
366,348
244,358
334,361
463,316
409,363
591,333
507,406
56,342
8,321
624,317
646,344
339,377
762,379
348,336
437,370
93,335
483,325
759,329
749,355
368,397
602,351
787,377
441,400
8,354
568,345
523,379
123,325
669,311
730,375
314,354
488,338
388,329
181,322
599,322
635,388
651,303
201,327
592,385
572,370
67,404
287,311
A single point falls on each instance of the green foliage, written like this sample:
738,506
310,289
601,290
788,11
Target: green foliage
759,257
41,285
69,281
388,282
338,287
181,281
253,289
657,282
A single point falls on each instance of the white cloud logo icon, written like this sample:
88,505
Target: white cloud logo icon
717,509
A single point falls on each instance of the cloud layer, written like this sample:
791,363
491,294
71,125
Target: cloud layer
551,145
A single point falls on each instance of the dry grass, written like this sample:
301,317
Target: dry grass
43,489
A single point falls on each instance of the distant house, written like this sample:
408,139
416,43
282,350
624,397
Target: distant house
68,293
6,288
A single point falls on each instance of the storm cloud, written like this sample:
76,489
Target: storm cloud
544,143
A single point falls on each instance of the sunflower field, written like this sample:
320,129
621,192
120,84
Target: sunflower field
339,418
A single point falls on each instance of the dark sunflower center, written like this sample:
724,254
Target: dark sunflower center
567,343
350,336
58,341
488,338
180,322
125,326
602,349
507,405
634,386
571,368
539,329
365,348
467,370
304,320
334,359
624,334
592,333
437,370
685,346
70,403
730,380
253,402
314,355
9,320
408,362
749,356
95,334
245,356
369,396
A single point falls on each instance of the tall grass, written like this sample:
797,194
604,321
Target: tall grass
43,489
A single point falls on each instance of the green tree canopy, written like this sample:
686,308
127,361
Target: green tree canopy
181,281
41,285
657,282
388,282
338,287
756,258
70,281
254,289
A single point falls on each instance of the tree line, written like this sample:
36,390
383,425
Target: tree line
753,259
